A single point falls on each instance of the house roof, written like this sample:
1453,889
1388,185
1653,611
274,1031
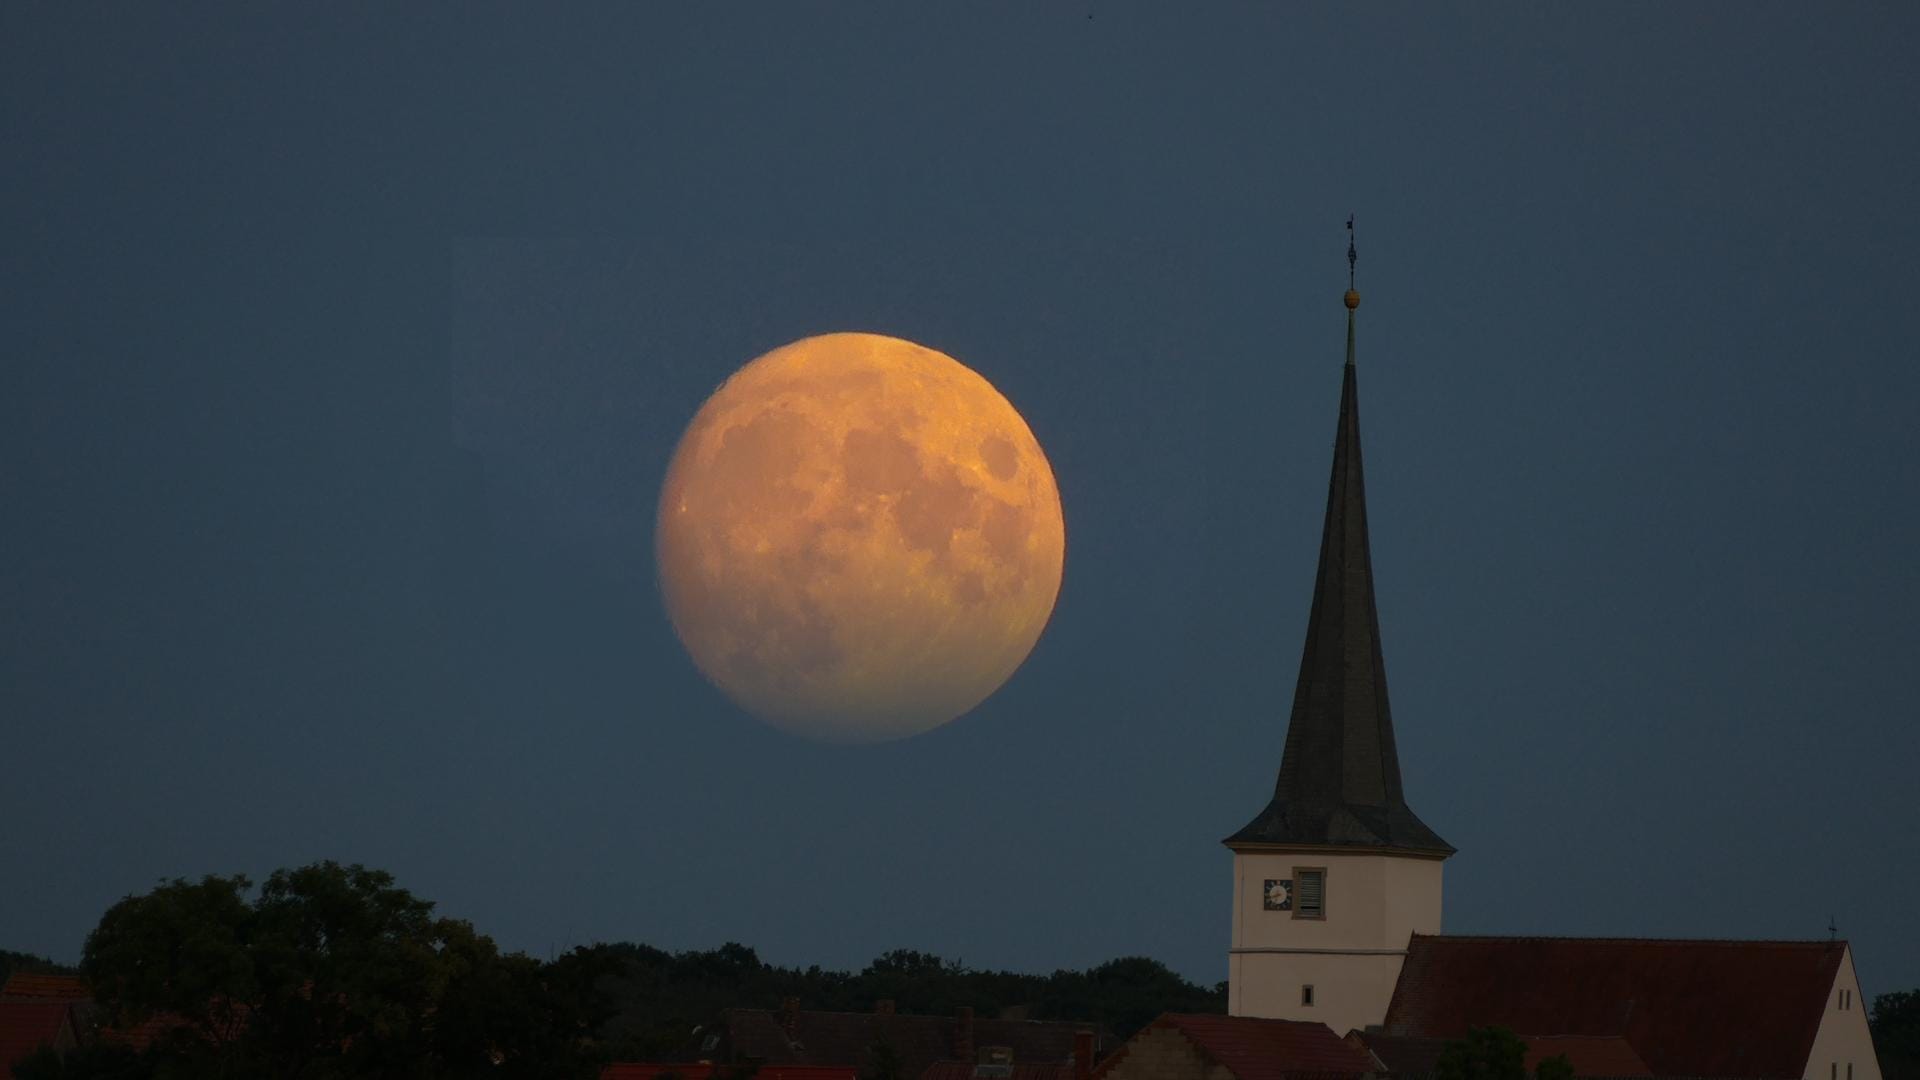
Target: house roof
963,1070
847,1039
1590,1055
705,1070
1255,1048
1688,1008
141,1035
1339,783
22,986
26,1026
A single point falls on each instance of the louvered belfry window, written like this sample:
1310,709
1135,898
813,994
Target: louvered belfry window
1309,893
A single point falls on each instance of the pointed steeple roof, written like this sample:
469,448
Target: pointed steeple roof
1339,775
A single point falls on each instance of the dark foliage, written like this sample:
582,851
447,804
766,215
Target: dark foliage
11,962
332,971
883,1063
1556,1067
1896,1034
92,1060
1495,1053
666,1002
326,972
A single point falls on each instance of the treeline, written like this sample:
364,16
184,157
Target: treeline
659,997
329,971
11,962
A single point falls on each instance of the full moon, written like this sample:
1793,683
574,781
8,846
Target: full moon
859,538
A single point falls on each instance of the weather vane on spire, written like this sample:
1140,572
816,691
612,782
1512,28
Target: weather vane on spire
1353,257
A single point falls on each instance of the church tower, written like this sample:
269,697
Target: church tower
1335,875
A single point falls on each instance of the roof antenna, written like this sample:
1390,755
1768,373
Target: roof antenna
1833,932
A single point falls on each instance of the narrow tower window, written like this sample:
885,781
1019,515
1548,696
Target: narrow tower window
1306,998
1309,892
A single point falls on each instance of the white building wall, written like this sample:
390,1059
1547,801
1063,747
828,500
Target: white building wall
1843,1042
1351,958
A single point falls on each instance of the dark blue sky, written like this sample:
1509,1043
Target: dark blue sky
341,356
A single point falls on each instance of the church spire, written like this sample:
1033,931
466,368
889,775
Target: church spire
1339,780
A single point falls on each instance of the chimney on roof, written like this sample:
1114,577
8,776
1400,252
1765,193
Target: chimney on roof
1082,1054
963,1033
790,1017
883,1007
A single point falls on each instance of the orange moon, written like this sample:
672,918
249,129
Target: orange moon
859,538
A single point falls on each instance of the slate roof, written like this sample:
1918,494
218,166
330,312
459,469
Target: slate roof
25,1026
1689,1008
1255,1048
1339,782
847,1039
1590,1055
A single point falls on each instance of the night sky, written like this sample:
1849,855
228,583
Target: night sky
342,352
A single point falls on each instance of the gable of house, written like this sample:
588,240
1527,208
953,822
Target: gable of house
26,1026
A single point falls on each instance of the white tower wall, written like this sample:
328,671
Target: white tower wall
1351,956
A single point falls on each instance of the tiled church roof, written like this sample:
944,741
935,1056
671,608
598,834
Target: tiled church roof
1590,1055
1689,1008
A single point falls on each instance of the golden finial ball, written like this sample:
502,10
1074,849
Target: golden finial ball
1353,299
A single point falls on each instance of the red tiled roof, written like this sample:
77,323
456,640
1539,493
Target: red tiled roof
143,1034
1408,1055
1590,1055
704,1070
1688,1008
847,1039
23,986
1252,1048
25,1026
963,1070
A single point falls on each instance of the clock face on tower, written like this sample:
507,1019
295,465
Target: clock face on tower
1279,894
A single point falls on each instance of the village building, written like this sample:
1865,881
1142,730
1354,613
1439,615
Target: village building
1183,1047
1337,896
955,1047
1333,876
26,1026
1588,1055
39,1010
1687,1008
707,1070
